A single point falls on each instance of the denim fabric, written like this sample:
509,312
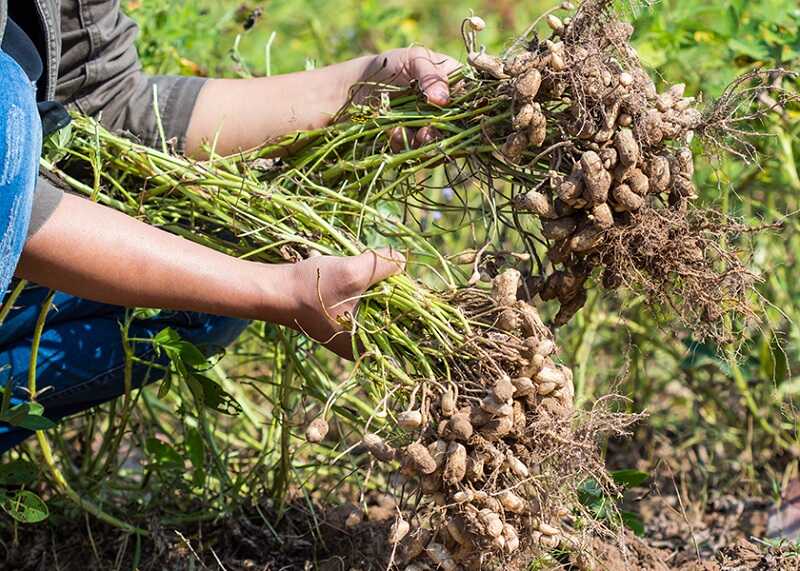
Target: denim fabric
80,360
20,148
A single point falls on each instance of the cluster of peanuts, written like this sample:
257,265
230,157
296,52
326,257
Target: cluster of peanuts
470,460
471,455
614,144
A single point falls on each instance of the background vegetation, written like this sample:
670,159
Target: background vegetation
720,418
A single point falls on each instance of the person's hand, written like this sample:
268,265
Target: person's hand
403,67
327,290
409,67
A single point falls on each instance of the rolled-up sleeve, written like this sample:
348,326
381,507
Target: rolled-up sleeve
45,200
100,75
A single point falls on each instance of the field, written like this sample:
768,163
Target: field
176,485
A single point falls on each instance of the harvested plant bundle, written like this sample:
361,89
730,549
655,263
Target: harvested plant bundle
588,147
477,412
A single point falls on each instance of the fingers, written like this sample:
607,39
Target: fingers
373,266
342,345
425,135
431,69
376,265
404,138
381,264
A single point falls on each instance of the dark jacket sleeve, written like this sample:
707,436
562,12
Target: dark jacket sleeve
100,75
46,198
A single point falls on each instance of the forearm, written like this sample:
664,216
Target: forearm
243,113
91,251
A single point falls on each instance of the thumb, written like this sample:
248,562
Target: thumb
381,263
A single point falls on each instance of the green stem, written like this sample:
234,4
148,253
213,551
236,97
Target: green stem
47,454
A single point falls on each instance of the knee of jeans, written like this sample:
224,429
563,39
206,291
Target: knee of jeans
213,331
20,149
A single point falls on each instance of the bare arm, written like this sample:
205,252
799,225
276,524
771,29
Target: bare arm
89,250
247,112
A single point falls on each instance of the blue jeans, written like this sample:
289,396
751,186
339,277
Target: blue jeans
20,148
81,359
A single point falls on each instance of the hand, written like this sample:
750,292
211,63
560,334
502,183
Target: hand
402,68
328,288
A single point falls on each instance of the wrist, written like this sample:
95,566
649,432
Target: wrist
352,73
276,287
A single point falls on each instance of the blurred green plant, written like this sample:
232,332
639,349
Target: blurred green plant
605,507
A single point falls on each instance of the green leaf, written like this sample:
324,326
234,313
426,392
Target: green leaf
730,22
772,360
632,522
179,350
195,450
35,422
25,507
146,313
162,453
35,408
591,495
18,472
703,355
27,415
165,386
15,414
752,49
590,488
600,507
629,478
212,395
167,337
651,55
191,355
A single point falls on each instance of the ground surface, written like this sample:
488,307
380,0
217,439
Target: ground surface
722,532
719,539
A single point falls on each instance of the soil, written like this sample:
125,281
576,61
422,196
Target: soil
691,522
720,537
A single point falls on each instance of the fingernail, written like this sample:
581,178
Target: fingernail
438,95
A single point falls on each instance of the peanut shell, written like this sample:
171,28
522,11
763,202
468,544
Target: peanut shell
317,430
488,64
421,458
378,448
597,180
627,147
536,202
587,239
398,531
410,419
459,427
528,84
560,228
603,216
626,199
455,467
